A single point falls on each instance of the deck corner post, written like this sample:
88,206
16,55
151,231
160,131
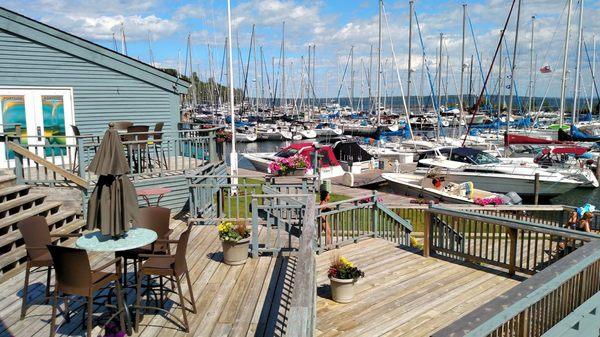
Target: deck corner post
212,147
375,220
427,234
512,263
254,228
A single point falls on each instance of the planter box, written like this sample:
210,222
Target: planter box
342,290
235,253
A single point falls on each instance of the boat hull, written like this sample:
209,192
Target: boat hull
522,185
405,188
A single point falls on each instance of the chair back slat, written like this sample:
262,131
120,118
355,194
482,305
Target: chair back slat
35,233
72,267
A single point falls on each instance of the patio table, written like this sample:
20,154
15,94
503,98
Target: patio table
153,191
133,238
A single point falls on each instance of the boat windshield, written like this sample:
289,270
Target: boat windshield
477,158
286,153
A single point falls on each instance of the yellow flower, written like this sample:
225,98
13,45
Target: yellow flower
345,262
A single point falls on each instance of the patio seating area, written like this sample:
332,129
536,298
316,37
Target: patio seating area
230,300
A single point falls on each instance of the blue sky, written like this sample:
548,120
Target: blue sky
333,25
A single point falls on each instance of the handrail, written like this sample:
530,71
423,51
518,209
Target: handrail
302,313
529,309
517,224
54,168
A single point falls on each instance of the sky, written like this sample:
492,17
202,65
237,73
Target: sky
334,27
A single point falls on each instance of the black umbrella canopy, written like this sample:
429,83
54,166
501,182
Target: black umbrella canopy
113,203
110,158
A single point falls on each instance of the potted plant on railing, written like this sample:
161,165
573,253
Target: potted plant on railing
343,275
235,238
294,165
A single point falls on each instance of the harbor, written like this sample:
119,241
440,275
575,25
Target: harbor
299,168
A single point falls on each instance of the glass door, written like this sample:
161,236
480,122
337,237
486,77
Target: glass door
44,116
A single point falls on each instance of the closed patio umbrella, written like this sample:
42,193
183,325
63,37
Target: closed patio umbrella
113,203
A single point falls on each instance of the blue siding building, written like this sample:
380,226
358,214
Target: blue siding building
42,66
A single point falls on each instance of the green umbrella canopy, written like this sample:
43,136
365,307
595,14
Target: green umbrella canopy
113,203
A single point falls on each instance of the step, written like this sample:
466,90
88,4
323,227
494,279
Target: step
37,210
15,255
19,203
8,193
52,220
7,180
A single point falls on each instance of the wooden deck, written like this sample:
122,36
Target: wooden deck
231,301
403,293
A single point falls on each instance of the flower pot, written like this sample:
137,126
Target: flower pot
235,253
342,290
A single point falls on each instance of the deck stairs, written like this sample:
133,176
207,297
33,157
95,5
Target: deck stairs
19,202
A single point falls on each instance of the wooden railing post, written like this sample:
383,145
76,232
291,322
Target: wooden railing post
81,164
254,228
427,234
212,147
375,214
512,262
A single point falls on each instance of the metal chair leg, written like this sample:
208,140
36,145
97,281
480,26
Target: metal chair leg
138,296
53,320
48,276
187,276
182,302
120,305
25,291
90,315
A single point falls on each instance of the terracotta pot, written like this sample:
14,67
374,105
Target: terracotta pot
235,253
342,290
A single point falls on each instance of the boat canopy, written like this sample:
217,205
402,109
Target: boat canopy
350,151
306,150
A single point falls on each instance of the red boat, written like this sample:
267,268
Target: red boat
519,139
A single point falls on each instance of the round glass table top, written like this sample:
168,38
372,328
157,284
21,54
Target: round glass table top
133,238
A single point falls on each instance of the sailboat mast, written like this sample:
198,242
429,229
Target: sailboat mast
409,77
593,73
379,68
283,68
500,82
462,69
512,69
192,79
233,156
352,78
255,73
563,88
531,65
574,115
439,84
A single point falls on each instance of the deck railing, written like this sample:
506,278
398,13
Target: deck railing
548,299
354,219
149,154
516,245
552,215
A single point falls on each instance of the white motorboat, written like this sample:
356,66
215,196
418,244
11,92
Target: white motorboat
242,137
327,130
488,173
273,132
328,166
435,187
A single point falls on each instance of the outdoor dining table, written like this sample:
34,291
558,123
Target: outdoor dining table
158,192
133,238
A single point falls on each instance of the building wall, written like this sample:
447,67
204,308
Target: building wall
100,94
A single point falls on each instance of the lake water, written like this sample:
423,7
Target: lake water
576,197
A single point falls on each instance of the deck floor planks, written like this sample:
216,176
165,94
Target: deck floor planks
419,297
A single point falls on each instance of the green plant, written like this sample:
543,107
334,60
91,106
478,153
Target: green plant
233,232
341,268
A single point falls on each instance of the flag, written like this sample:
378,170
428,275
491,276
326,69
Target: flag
545,69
